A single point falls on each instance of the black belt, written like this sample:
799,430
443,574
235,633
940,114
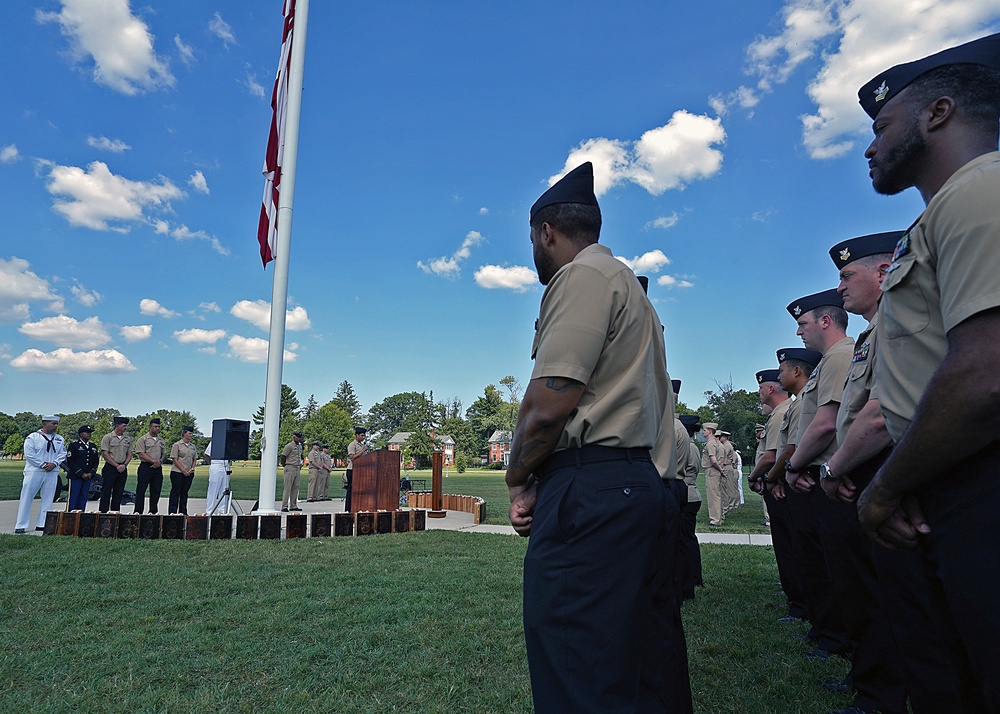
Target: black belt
578,456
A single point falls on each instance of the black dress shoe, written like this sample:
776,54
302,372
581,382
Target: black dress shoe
39,528
18,531
284,510
295,509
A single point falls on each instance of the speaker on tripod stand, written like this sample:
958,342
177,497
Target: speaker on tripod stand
230,442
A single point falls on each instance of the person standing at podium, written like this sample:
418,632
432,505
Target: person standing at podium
355,449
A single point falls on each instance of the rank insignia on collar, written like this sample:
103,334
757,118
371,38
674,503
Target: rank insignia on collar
845,254
814,373
902,247
797,311
881,92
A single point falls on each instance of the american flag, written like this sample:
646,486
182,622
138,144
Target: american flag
267,228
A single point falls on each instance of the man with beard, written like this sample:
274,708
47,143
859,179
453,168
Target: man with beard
598,570
936,128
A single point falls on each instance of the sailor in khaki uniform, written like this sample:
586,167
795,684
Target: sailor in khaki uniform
326,466
315,468
692,576
116,448
822,325
935,123
713,461
597,577
150,448
788,508
775,402
730,495
355,449
183,455
291,460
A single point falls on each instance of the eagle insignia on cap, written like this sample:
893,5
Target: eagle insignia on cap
845,254
797,311
881,91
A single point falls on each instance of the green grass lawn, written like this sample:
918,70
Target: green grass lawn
474,482
419,622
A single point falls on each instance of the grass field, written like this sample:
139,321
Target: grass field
474,482
419,622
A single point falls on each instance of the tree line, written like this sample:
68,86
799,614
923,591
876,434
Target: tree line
333,422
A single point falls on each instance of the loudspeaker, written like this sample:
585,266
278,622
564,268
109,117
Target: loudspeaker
235,434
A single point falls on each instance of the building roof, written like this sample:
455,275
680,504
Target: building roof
501,436
400,438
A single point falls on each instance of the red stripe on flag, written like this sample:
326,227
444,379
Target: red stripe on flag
267,226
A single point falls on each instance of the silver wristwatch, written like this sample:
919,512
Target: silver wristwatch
825,473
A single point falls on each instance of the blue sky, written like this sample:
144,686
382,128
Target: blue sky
726,137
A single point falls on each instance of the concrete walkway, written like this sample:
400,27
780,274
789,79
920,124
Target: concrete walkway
453,521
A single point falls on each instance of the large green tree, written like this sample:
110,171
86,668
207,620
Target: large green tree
407,411
346,399
7,427
13,445
418,448
736,411
288,422
484,415
464,435
331,425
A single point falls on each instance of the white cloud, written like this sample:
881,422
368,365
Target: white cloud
665,158
253,349
185,52
663,222
449,267
650,262
19,287
136,333
87,298
9,154
68,332
197,335
4,350
198,182
221,29
182,232
250,83
515,277
103,143
66,361
148,306
741,97
207,350
96,196
673,281
209,307
483,211
258,313
855,40
118,42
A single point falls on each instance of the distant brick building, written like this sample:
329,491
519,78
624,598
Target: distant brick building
500,447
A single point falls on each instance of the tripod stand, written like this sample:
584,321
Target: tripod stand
227,497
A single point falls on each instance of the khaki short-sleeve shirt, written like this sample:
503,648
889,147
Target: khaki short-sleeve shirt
293,454
120,448
825,386
184,454
352,452
152,446
789,432
945,270
713,447
860,379
596,326
315,461
772,428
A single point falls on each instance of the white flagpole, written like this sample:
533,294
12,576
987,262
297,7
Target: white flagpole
270,448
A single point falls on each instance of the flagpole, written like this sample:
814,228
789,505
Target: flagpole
270,448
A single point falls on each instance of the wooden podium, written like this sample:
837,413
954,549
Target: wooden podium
375,482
